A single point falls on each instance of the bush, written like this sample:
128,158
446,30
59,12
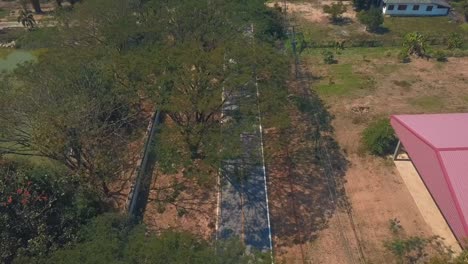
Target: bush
335,11
439,55
328,57
379,138
403,57
415,43
455,41
41,209
372,19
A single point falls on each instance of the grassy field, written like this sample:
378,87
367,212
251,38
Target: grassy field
392,32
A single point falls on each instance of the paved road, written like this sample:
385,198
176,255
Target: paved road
243,205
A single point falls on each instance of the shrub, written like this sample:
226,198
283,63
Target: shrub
415,43
455,41
372,19
439,55
328,57
403,57
335,11
379,138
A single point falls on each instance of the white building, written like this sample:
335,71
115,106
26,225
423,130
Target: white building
415,7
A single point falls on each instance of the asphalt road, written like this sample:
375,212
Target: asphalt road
243,203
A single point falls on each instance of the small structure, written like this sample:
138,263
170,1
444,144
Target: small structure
437,145
415,7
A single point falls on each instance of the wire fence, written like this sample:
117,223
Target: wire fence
324,156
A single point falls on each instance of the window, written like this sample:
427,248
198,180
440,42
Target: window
416,7
402,7
429,8
391,7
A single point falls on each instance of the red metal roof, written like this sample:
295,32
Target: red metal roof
438,146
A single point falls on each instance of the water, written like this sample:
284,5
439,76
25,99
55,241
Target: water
14,58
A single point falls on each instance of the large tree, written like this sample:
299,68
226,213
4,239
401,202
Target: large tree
70,107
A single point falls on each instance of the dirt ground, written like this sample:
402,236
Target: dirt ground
373,187
312,10
194,210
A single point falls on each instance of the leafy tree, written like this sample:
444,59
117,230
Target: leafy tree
41,209
112,238
415,43
335,10
379,137
70,107
372,19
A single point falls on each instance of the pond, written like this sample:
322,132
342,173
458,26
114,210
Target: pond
14,58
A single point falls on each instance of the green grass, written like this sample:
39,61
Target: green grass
4,13
428,103
436,28
426,25
342,81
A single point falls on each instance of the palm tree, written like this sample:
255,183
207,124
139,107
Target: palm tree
26,18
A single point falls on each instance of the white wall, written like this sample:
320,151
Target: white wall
410,12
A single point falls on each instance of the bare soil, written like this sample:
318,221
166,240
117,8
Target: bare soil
193,211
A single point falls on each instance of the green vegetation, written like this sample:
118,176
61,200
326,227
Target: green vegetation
379,138
41,208
428,103
328,57
111,238
343,81
415,43
335,10
415,249
82,106
373,19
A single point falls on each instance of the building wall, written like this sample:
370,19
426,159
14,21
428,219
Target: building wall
426,162
436,11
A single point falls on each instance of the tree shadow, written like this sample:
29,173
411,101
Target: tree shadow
343,21
306,170
381,30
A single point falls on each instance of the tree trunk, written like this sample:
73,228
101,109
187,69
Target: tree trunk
37,6
59,3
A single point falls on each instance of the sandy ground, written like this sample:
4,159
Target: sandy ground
425,203
312,10
376,191
373,186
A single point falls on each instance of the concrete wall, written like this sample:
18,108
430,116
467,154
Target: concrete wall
436,11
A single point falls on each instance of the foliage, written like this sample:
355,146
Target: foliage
372,19
328,57
409,250
73,108
360,5
26,18
455,41
112,238
464,9
379,138
439,55
41,209
335,10
403,57
415,43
